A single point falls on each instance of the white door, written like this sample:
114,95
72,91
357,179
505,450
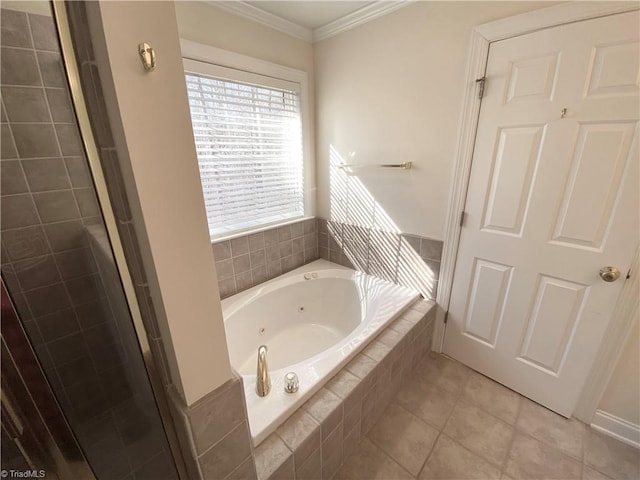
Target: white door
553,198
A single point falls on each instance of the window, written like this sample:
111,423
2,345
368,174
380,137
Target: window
248,135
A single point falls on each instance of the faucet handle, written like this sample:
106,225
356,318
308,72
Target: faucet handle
291,382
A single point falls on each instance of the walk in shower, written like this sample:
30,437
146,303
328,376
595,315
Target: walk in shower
64,288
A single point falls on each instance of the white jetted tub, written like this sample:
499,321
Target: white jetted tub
313,320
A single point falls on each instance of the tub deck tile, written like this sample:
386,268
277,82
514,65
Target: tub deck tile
423,306
348,387
413,316
377,350
402,326
301,433
390,338
327,408
361,366
272,458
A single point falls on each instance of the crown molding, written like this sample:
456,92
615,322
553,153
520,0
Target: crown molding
250,12
349,21
359,17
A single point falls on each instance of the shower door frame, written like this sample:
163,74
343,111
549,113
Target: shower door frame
68,55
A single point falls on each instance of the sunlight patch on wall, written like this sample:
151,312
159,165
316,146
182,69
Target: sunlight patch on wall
367,236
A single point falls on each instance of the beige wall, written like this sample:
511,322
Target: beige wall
622,396
152,129
390,91
203,23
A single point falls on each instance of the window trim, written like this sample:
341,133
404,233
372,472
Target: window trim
217,57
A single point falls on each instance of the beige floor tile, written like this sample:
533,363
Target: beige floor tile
443,372
589,473
496,399
553,429
610,456
427,401
533,460
404,437
368,462
449,460
480,432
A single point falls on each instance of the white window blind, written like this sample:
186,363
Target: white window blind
248,139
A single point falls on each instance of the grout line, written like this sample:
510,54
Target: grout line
433,447
27,122
512,439
231,474
34,87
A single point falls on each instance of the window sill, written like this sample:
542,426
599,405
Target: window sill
251,231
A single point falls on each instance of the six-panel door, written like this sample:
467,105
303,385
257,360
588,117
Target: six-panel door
552,198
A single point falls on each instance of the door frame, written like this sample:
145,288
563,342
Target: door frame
481,38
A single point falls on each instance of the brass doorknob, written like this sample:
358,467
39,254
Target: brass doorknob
609,274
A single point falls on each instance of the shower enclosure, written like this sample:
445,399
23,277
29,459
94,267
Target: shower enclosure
77,399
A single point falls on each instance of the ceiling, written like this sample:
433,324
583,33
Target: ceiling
309,13
310,20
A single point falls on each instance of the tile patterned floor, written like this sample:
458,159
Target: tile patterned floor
453,423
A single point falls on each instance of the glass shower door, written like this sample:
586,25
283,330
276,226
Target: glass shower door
58,265
35,435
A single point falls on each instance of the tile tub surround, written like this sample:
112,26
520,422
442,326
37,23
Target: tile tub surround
249,260
405,259
314,441
214,433
451,422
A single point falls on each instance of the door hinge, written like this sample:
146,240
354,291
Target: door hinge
462,218
446,317
481,82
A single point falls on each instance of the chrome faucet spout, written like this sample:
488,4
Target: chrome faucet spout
263,381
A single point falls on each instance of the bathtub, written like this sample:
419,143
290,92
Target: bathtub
313,320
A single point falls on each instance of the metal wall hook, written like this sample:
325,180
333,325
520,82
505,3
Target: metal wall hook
148,56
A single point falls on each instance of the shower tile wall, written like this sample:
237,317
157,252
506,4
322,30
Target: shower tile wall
249,260
53,273
405,259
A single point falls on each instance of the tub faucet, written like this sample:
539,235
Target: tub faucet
263,382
